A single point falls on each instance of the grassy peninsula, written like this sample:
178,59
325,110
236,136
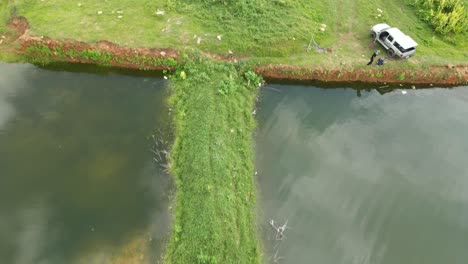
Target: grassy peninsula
212,163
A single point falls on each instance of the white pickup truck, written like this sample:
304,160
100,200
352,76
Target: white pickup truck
394,41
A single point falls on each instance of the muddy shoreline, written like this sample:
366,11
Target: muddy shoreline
156,58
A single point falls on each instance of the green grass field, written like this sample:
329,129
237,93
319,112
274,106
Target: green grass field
264,30
212,163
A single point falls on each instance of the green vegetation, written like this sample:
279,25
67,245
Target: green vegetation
212,162
42,54
265,31
401,76
5,11
444,15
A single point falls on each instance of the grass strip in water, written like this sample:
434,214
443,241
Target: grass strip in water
212,163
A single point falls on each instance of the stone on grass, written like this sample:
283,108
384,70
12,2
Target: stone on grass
160,12
99,12
119,17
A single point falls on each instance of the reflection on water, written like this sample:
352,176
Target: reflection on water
370,179
78,182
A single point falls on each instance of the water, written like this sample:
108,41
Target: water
371,179
78,183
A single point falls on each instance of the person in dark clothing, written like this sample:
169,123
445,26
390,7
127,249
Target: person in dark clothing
373,57
380,61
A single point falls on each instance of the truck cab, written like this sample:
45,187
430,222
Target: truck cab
394,41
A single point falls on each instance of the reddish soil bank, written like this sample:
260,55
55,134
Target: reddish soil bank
434,75
124,57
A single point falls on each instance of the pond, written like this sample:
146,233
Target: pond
79,182
363,179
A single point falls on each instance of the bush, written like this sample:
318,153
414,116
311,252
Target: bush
444,15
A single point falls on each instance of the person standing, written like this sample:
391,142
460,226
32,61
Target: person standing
373,57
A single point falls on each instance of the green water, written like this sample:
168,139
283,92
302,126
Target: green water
373,179
78,182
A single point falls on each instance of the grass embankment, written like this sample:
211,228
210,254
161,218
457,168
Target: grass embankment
5,6
265,31
45,52
7,49
212,162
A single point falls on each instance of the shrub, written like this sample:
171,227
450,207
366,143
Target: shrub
444,15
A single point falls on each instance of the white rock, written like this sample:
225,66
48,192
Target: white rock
403,92
160,12
119,17
99,12
165,78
